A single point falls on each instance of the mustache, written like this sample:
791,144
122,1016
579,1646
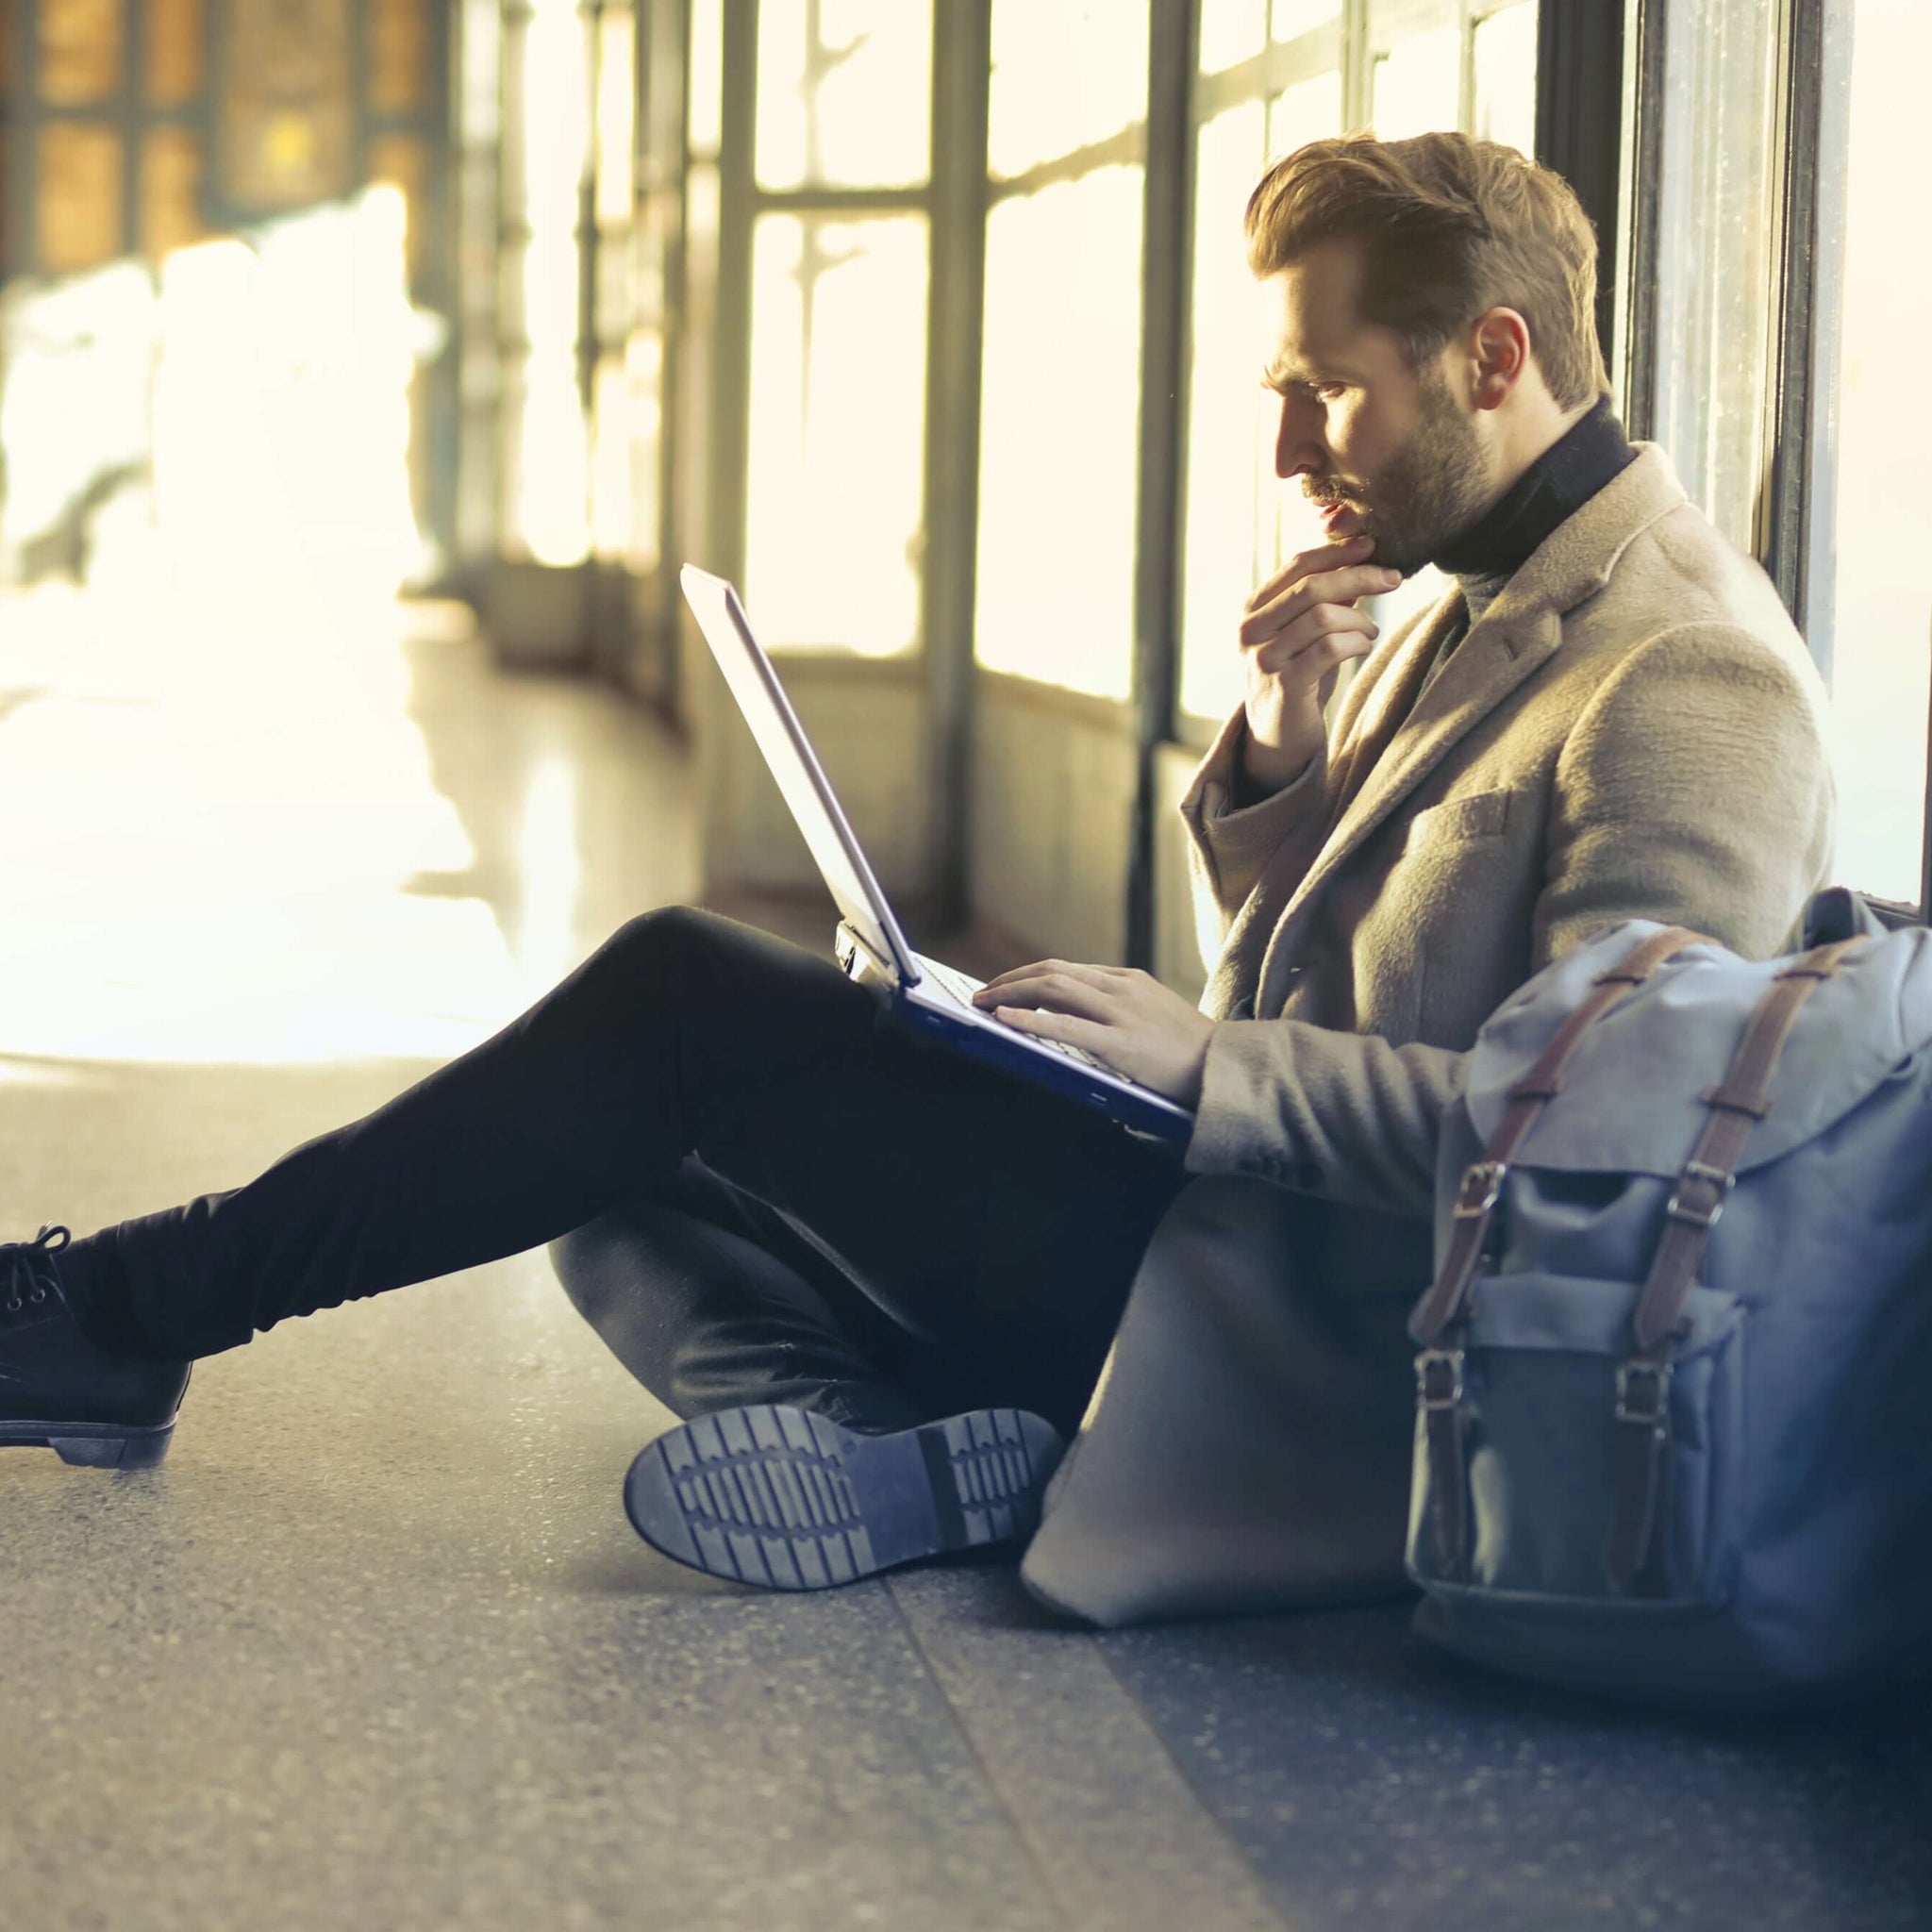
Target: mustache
1328,498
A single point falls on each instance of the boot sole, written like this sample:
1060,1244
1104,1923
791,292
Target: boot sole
785,1499
92,1445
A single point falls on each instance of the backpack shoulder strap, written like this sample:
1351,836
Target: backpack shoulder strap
1704,1184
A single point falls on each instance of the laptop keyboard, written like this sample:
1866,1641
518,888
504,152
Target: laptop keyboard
963,987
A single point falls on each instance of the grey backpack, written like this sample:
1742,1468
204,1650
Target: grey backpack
1675,1388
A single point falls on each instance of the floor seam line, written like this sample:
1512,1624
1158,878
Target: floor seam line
1194,1790
935,1678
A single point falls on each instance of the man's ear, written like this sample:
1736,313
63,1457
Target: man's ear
1499,350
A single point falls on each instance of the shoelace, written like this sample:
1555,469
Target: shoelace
26,1268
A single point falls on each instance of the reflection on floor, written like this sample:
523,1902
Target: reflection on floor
377,1647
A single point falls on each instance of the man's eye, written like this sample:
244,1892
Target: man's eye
1331,392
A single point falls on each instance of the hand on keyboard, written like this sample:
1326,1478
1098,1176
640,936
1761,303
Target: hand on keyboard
1113,1016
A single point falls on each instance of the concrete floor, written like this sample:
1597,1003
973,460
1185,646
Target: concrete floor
377,1647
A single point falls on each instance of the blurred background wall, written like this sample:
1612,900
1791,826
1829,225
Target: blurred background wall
925,320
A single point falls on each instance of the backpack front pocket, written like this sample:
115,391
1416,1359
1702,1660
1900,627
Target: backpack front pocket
1539,1419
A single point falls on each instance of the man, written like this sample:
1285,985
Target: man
867,1268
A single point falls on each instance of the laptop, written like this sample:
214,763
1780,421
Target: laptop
929,996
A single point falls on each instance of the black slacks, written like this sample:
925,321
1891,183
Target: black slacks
761,1188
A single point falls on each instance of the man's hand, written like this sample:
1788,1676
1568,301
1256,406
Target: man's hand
1300,627
1120,1015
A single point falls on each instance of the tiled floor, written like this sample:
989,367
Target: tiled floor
377,1648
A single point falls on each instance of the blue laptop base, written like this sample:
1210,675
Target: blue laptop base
1150,1120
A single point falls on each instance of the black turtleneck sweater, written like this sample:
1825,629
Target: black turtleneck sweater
1592,451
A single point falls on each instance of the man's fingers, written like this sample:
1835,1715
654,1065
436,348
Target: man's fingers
1039,967
1067,1028
1060,991
1323,557
1304,654
1327,587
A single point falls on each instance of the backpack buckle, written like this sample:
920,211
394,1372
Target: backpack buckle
1481,1188
1439,1377
1644,1393
1703,1214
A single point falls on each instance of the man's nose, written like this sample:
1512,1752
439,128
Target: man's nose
1298,444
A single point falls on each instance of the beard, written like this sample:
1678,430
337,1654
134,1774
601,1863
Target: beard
1429,494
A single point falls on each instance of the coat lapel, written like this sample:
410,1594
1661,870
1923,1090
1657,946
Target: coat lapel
1510,644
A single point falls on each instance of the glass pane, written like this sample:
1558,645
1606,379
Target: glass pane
553,449
613,317
398,34
1240,519
1310,110
1288,20
845,92
1059,446
511,277
509,475
644,365
550,475
1231,31
616,116
1882,610
172,54
170,191
556,115
550,294
1415,66
1065,74
286,103
513,95
838,431
706,106
79,212
81,51
1505,77
402,161
611,458
1719,214
479,107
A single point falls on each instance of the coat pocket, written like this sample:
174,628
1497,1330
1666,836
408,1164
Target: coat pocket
1455,821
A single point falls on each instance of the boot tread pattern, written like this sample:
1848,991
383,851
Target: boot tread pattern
784,1498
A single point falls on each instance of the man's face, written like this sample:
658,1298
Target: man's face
1382,450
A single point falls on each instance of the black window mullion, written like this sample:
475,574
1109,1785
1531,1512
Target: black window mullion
1165,282
963,61
1579,116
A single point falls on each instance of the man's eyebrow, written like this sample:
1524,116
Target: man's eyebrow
1279,374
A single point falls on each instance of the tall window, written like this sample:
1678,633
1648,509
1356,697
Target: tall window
547,152
839,254
1881,613
1269,81
1272,76
617,400
1718,224
1061,369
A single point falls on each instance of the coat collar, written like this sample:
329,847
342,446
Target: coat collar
1518,633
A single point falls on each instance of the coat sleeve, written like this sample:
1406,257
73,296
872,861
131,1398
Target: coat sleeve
1229,848
1694,790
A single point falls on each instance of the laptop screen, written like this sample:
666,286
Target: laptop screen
795,764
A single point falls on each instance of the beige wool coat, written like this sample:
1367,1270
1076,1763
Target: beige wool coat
1632,730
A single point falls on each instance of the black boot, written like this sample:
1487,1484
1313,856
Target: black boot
58,1390
787,1499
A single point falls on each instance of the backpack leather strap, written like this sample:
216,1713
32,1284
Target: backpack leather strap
1704,1184
1439,1370
1482,1184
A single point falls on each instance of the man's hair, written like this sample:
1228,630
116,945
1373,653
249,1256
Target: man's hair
1449,227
